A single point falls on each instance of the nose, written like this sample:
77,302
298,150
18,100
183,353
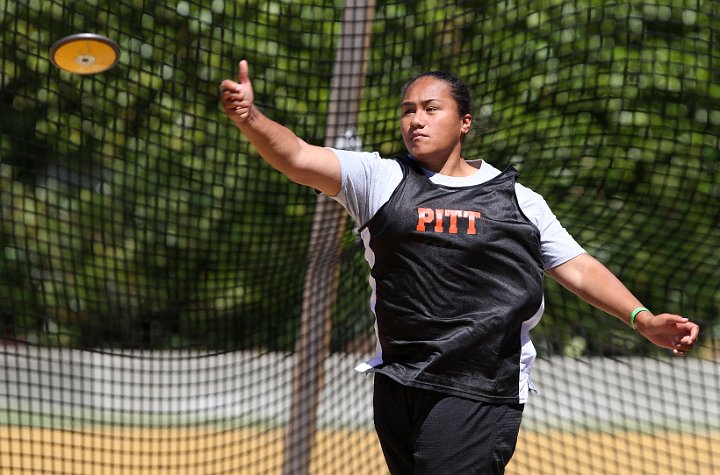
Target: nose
418,120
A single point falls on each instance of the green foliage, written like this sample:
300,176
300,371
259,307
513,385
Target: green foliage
134,215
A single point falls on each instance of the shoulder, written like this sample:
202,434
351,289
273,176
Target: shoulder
528,197
534,207
364,166
531,203
368,181
366,159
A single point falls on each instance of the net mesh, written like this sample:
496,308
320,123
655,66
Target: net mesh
154,271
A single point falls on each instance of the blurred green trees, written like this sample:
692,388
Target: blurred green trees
134,215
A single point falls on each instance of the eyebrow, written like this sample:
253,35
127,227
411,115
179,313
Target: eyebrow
423,102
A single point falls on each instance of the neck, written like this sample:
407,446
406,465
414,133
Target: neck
452,165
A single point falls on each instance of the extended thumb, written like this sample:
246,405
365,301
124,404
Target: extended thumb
243,75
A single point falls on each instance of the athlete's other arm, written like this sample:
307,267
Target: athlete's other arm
590,280
301,162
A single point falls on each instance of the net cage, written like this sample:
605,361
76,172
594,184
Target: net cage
171,304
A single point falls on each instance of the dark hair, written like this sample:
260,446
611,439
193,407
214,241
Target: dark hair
458,89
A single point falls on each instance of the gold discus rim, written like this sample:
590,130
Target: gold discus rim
84,53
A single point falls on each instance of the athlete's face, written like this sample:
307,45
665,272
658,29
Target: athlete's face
432,128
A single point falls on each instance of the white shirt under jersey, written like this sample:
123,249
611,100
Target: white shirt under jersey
368,181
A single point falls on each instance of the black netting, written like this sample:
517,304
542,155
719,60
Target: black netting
160,285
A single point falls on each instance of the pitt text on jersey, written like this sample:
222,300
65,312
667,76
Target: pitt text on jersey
428,216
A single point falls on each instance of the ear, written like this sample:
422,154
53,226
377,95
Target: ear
465,123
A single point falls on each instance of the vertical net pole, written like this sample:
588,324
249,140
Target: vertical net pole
329,218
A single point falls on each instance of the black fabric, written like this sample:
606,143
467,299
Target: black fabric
426,432
457,271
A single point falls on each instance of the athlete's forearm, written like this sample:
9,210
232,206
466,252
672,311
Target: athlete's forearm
590,280
301,162
279,146
276,144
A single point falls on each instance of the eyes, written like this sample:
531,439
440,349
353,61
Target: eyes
406,111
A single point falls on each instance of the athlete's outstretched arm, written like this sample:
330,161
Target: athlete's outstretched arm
301,162
590,280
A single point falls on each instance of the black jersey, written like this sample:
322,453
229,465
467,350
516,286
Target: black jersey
457,271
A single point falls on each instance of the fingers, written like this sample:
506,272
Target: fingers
681,333
671,320
232,94
683,344
228,85
237,97
230,98
231,91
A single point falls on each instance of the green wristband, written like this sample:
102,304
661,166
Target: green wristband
634,314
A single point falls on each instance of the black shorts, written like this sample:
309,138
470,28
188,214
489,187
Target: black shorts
426,432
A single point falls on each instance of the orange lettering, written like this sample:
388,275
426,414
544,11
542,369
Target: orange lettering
439,220
425,216
428,215
453,213
471,215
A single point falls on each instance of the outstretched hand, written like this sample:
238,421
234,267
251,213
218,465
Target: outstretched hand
237,98
670,331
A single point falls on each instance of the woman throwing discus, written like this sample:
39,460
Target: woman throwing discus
458,251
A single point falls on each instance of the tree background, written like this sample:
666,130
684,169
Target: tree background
135,216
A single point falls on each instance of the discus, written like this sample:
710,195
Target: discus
85,53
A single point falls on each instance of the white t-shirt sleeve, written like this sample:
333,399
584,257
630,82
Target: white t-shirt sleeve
368,181
556,243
